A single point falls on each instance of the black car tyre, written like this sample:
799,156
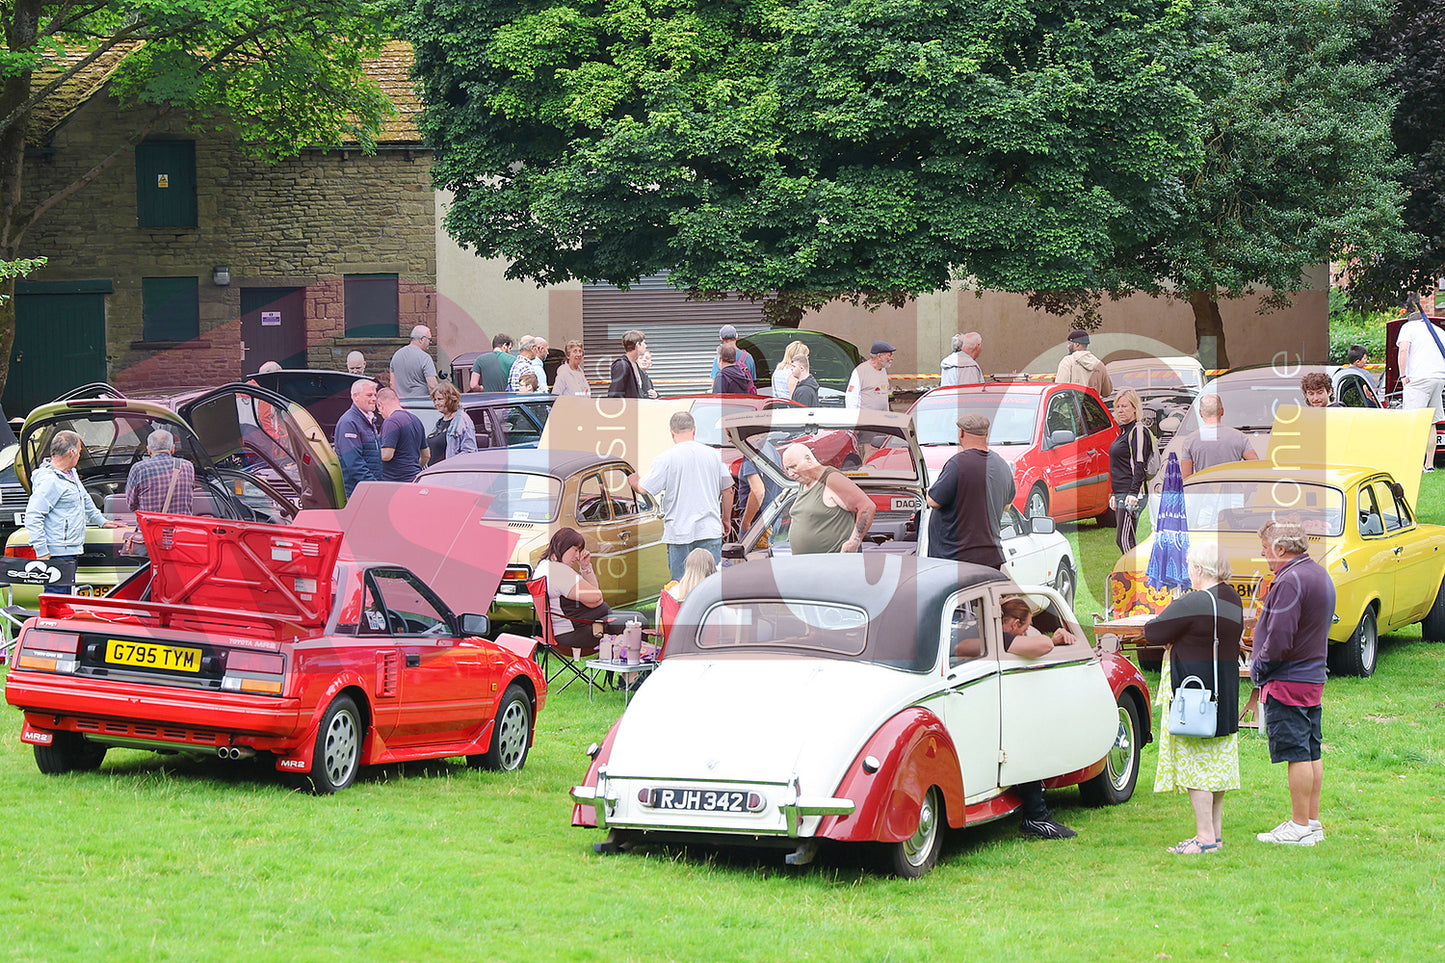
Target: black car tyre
69,752
1038,504
914,857
1066,582
1432,627
1115,784
338,747
1356,655
511,735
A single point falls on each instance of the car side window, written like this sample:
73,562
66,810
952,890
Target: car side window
1391,509
592,506
965,633
1061,415
1006,526
482,424
1096,419
403,605
1371,522
519,429
623,498
1351,393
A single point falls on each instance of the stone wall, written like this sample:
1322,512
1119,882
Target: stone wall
302,222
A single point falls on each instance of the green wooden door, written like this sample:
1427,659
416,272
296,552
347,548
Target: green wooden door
59,342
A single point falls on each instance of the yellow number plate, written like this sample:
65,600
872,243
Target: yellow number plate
94,591
151,656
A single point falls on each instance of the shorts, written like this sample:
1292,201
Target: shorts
1424,393
1294,731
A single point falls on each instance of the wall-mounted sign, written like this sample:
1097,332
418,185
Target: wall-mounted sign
163,180
270,319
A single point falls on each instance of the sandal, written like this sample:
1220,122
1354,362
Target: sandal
1192,847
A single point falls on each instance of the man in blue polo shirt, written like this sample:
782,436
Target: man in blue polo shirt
403,439
357,444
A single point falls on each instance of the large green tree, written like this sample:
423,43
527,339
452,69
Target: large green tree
1298,166
1411,42
282,76
814,146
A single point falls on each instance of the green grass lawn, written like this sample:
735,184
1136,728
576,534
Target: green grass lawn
155,859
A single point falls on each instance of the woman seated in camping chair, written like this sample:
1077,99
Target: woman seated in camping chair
574,600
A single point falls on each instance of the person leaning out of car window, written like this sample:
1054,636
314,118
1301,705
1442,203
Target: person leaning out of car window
1021,638
59,507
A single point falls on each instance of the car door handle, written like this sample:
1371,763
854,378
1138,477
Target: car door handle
626,536
413,659
1398,549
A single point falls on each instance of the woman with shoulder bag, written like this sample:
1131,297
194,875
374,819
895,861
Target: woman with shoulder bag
1201,630
1129,468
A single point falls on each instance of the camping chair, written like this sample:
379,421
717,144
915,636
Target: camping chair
667,608
23,571
547,642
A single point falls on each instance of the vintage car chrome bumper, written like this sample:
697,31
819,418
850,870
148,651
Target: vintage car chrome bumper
795,807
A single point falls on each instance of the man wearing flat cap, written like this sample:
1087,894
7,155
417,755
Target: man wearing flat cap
868,388
1080,367
968,499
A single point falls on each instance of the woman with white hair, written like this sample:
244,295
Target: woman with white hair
1201,630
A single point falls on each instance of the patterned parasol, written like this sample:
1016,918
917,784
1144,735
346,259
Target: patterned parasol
1168,565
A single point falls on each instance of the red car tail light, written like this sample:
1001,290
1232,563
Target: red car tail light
259,672
48,651
19,551
520,572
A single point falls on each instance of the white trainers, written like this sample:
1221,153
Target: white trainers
1317,831
1290,834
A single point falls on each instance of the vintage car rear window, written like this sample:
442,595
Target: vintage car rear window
516,496
1244,506
1012,419
799,629
709,415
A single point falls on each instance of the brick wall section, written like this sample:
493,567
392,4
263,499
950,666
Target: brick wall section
302,222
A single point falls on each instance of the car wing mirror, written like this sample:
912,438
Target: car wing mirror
475,625
1041,525
1060,436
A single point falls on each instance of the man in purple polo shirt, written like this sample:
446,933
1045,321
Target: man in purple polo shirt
1291,640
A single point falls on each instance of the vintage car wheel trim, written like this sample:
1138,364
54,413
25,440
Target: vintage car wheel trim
1120,760
917,847
1038,503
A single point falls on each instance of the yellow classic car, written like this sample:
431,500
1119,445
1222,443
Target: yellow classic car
1351,478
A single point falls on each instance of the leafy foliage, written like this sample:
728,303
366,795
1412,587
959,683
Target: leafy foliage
1411,45
819,146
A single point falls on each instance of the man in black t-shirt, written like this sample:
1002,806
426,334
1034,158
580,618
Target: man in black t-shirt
969,498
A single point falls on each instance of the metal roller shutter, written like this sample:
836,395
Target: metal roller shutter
681,334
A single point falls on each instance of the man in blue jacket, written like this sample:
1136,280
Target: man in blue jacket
59,507
1291,641
357,443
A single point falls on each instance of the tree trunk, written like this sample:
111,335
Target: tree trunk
1209,330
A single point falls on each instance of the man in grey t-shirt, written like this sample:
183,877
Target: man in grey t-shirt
1213,444
413,373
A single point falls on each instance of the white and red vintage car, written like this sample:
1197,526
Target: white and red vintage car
814,698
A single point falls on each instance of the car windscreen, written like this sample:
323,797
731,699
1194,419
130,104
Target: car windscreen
1012,418
1244,506
110,441
708,416
1249,406
516,496
1161,377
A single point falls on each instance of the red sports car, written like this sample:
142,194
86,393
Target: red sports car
1056,436
324,645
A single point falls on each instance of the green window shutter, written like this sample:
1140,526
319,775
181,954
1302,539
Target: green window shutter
172,308
165,175
371,305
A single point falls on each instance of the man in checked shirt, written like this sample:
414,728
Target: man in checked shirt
150,478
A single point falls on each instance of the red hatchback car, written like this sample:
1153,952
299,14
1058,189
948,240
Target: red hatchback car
1056,437
306,644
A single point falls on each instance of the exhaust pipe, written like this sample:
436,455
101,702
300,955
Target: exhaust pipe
235,752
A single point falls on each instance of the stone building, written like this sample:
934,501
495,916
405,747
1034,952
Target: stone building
191,262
